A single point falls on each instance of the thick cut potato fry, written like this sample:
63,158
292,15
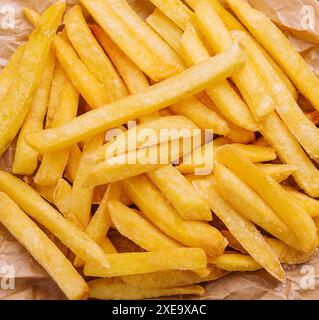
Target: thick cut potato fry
176,11
17,102
247,79
8,73
297,122
46,192
69,234
290,152
53,164
223,95
25,158
81,196
139,161
158,96
280,48
145,34
166,29
114,289
202,116
278,172
101,221
126,38
244,231
180,193
122,264
295,217
58,82
73,163
233,24
42,249
171,279
159,130
134,227
254,153
237,262
92,54
251,206
94,93
157,210
62,197
309,204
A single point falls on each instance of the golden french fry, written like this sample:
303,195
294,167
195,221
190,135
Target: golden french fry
142,160
46,192
223,95
166,29
251,206
62,197
247,79
309,204
278,172
236,262
180,193
16,103
122,264
101,221
287,254
73,163
244,231
134,227
42,249
205,118
171,279
233,24
175,10
157,209
69,234
114,289
92,54
126,38
81,196
294,216
58,81
290,152
297,122
159,96
280,48
8,73
233,242
25,158
144,33
53,164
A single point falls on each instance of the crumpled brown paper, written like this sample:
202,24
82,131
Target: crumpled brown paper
32,282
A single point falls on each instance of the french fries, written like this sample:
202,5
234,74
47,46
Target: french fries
244,231
115,289
134,227
248,203
236,262
69,234
16,103
223,95
122,264
171,279
278,172
184,198
125,37
42,249
158,96
53,164
274,195
25,158
175,10
156,208
247,79
280,48
92,54
166,29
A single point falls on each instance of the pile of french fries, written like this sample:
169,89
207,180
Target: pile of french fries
146,230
